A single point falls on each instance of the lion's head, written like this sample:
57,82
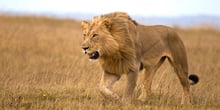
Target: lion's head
97,40
110,37
106,35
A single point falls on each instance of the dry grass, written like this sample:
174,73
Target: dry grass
42,67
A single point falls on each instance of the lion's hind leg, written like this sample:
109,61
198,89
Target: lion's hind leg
149,73
183,78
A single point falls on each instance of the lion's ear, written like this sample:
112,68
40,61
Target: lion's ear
84,24
107,24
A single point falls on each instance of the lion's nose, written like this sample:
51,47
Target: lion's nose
85,49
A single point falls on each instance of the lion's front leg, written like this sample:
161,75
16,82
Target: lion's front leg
131,83
105,85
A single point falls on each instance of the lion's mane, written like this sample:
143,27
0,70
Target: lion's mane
122,28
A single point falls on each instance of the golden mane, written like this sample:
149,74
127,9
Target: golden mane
122,28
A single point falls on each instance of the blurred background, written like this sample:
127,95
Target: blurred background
42,66
183,13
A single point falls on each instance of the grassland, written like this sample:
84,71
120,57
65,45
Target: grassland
42,68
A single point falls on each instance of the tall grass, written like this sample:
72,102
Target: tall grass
42,67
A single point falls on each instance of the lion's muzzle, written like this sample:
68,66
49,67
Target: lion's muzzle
94,55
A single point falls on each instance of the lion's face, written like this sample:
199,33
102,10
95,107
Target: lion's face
97,40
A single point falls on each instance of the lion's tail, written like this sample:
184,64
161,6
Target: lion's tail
194,79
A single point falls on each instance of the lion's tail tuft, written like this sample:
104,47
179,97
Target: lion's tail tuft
194,79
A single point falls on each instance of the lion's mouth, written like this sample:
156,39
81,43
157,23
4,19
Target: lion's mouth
94,55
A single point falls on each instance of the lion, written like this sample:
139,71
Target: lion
122,46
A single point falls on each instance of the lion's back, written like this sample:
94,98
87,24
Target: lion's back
157,40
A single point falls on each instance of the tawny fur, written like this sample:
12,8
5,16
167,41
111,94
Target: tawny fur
125,46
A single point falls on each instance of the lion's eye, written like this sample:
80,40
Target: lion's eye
94,35
84,34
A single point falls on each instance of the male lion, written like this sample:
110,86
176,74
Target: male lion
123,47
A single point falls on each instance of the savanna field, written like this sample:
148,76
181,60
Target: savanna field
42,67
